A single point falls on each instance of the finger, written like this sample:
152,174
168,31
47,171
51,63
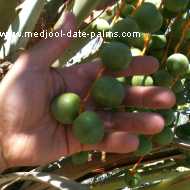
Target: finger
140,65
136,123
121,130
79,78
149,97
48,50
116,142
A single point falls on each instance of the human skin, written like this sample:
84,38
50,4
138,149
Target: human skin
29,135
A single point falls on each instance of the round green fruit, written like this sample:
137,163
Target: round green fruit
115,56
148,18
100,25
158,42
107,91
145,146
88,128
142,81
165,137
130,28
132,180
65,108
79,158
176,5
177,64
163,78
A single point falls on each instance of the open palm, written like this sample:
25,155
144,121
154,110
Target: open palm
29,133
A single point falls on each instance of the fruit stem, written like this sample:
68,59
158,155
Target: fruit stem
147,39
185,28
174,81
161,4
96,17
167,49
88,94
118,11
138,4
134,169
169,39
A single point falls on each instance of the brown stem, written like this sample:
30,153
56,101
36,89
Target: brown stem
99,74
169,39
118,12
167,49
88,94
185,28
134,169
161,4
147,39
139,3
175,80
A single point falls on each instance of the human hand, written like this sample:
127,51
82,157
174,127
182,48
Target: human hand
29,134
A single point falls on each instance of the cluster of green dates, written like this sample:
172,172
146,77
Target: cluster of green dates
88,127
116,54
